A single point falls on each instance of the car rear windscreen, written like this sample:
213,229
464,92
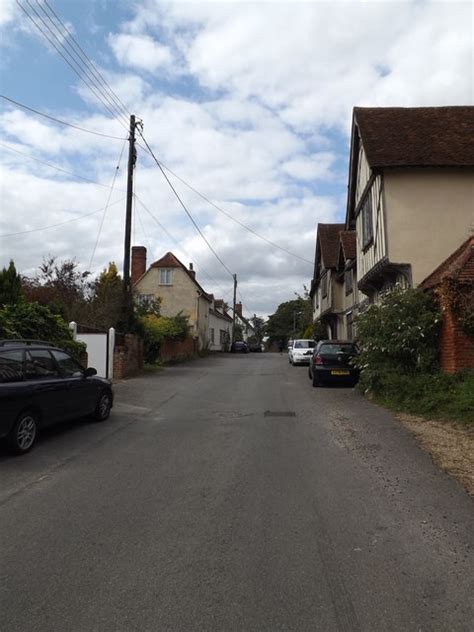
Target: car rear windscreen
338,348
11,366
304,344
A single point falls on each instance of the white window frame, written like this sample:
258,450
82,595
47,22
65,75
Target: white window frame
166,276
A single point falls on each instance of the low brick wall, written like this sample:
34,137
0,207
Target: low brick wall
128,357
178,349
457,350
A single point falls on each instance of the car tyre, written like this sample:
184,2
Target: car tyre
104,405
24,433
309,374
315,380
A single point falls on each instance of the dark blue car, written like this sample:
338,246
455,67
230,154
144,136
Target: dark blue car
41,385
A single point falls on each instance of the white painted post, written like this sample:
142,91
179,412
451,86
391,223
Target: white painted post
73,328
110,351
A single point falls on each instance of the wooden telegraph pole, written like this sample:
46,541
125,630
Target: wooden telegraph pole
132,158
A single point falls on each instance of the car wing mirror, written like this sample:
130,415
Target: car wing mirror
90,371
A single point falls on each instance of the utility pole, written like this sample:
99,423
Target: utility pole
233,309
132,157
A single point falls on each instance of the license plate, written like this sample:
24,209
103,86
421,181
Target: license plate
340,372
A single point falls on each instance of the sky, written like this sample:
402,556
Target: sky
249,103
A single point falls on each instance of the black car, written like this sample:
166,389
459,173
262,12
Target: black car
239,347
332,362
40,385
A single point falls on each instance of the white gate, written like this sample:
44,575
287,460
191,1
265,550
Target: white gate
100,349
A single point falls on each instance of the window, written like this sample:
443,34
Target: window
367,221
144,299
11,366
68,366
211,335
40,365
166,276
324,285
304,344
223,336
348,281
350,333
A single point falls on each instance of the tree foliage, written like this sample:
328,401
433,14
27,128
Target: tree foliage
400,334
37,322
259,327
11,291
290,320
157,329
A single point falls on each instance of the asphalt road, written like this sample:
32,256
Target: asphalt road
228,494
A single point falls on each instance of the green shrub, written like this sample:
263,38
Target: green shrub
400,334
37,322
156,329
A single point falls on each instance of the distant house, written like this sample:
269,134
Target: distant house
453,286
247,328
410,193
326,293
176,286
220,325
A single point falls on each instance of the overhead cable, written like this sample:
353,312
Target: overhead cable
231,217
49,164
107,205
56,120
185,208
68,221
100,97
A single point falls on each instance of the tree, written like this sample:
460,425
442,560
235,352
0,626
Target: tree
259,327
11,292
37,322
290,320
106,301
62,287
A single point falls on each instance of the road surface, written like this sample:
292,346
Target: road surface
228,494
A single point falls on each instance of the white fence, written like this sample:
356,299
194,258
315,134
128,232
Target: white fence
100,349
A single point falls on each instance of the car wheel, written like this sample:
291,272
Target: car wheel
315,380
23,434
102,410
309,374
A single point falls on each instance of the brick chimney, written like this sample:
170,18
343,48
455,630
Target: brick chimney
192,271
238,309
138,262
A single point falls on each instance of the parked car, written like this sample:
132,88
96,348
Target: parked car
300,351
255,347
40,385
332,362
239,347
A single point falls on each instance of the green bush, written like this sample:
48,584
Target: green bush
156,329
37,322
400,334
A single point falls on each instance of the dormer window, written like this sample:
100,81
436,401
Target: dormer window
166,276
348,281
324,285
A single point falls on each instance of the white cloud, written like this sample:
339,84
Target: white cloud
141,52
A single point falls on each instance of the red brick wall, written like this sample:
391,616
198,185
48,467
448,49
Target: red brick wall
457,350
128,357
178,349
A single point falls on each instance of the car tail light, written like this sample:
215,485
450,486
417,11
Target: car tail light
318,359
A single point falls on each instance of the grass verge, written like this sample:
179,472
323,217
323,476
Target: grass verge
436,395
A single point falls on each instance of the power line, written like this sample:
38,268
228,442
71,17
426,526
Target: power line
99,96
231,217
68,221
107,205
82,54
49,164
175,241
56,120
185,209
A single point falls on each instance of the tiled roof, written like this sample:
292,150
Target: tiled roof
411,137
459,265
348,243
169,260
328,239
